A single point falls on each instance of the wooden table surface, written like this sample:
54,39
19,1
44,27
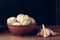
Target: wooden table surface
9,36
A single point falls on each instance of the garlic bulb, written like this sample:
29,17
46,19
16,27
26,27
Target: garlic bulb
20,18
11,20
23,19
45,32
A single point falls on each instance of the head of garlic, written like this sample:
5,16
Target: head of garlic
45,32
11,20
20,18
23,19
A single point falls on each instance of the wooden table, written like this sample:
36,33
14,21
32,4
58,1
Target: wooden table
9,36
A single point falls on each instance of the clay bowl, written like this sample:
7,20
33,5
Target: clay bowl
21,30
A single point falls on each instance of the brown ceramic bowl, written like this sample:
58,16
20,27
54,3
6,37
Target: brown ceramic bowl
21,30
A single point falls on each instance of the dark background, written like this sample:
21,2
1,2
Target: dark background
44,11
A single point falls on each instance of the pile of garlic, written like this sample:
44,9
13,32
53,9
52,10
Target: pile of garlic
46,32
21,19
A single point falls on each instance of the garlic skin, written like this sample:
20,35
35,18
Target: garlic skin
52,32
11,20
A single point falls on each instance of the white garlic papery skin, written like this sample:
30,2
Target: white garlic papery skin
33,21
16,23
11,20
52,32
44,31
